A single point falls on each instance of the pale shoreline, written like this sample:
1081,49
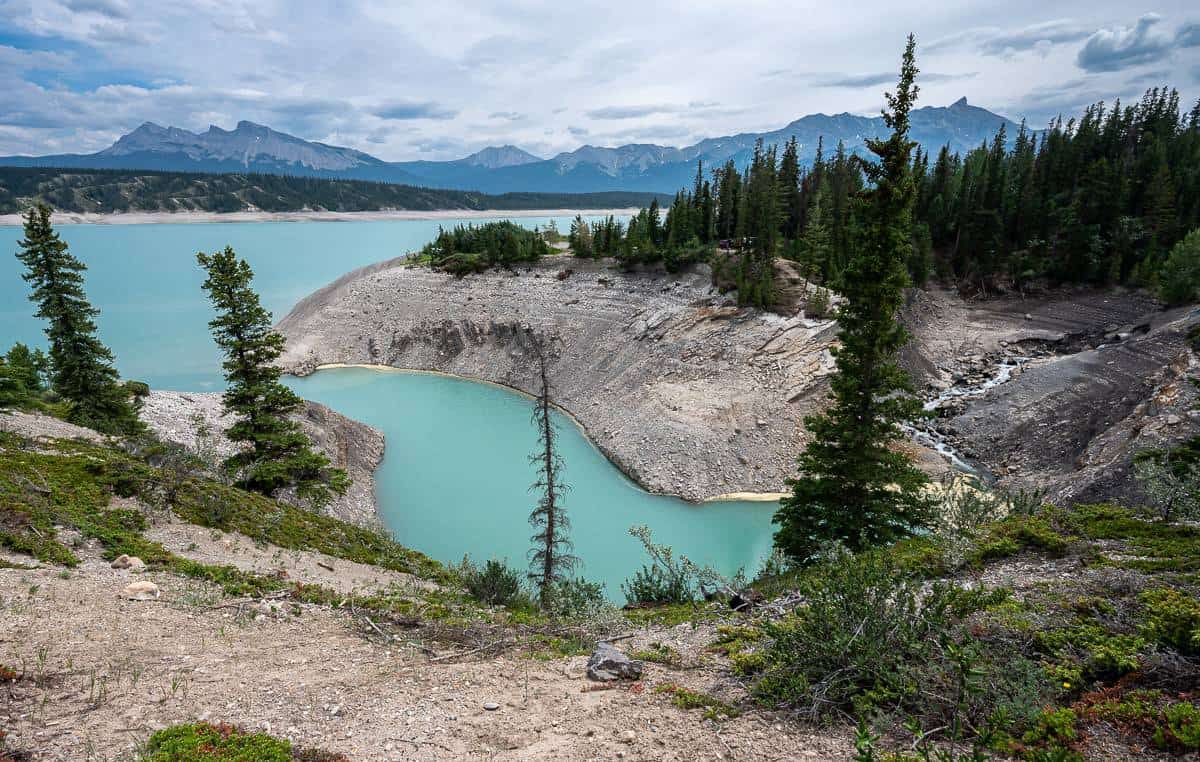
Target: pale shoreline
764,497
158,218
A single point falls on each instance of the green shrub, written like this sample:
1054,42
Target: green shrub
495,584
1055,726
1172,618
653,584
573,598
203,742
1182,727
1179,276
869,638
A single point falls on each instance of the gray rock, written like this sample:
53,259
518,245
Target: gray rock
128,562
607,663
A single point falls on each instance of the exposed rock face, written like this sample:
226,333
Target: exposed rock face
684,391
350,445
691,396
1114,384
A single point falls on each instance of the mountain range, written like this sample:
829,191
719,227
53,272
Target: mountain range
253,147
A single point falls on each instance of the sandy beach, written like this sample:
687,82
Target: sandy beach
152,218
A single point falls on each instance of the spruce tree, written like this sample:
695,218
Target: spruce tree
82,371
852,487
550,559
276,453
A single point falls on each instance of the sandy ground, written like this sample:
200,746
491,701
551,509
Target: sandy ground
103,673
151,218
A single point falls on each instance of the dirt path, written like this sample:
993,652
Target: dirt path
102,673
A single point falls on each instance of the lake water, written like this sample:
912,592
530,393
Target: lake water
455,474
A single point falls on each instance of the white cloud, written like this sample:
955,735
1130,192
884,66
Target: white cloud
406,78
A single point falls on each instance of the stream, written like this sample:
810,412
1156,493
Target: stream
926,433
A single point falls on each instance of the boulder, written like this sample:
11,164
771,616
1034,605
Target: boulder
607,663
143,590
128,562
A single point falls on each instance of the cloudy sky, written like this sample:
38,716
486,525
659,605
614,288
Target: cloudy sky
437,80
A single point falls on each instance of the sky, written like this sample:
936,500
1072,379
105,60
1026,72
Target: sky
438,80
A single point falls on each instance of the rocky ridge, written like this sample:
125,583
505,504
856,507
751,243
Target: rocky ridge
692,396
684,391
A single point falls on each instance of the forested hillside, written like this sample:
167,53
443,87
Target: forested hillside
128,191
1100,199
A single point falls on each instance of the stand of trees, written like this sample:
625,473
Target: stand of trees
80,368
1101,199
474,248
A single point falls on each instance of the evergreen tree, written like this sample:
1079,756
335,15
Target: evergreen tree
550,559
277,455
82,370
853,488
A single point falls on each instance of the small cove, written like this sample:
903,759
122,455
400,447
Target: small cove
455,479
455,475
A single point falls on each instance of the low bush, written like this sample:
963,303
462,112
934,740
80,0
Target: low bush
493,584
206,742
1172,618
576,598
870,638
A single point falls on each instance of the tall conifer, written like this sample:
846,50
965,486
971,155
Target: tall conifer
82,367
277,455
853,487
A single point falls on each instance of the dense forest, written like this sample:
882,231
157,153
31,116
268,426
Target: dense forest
1100,199
140,191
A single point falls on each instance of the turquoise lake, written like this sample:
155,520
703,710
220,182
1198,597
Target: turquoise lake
455,477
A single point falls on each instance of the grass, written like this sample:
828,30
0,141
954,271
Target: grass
222,742
659,653
1110,642
685,698
71,484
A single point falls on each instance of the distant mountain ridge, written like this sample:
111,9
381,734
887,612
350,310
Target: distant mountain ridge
644,167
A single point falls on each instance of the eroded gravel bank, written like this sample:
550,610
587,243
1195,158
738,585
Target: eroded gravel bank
353,446
692,396
684,391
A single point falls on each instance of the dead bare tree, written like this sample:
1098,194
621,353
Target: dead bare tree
550,559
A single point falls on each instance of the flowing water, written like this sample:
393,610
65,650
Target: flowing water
455,474
930,437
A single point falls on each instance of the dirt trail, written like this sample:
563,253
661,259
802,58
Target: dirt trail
104,673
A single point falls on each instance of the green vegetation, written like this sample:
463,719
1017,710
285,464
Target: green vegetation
1179,276
658,653
80,367
685,698
1100,199
854,488
103,190
474,248
665,580
896,644
25,378
279,456
206,742
70,484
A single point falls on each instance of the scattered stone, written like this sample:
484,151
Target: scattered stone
491,706
128,562
576,667
143,590
628,736
747,599
607,663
